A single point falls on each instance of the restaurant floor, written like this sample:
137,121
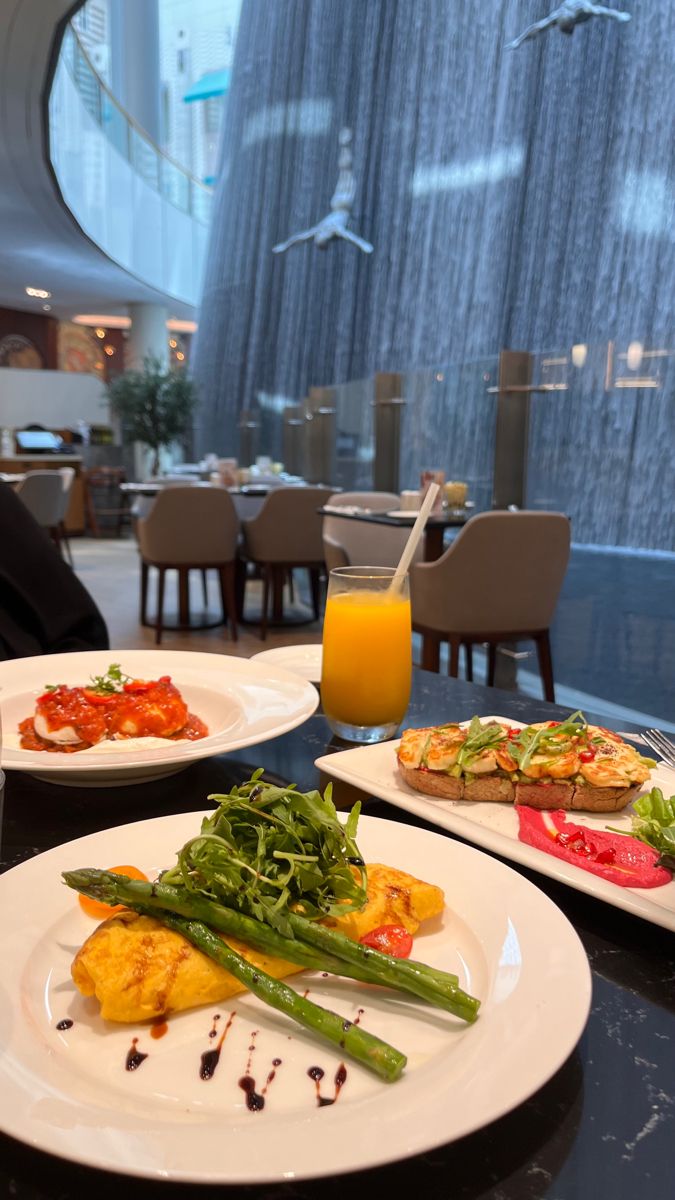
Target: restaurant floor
613,637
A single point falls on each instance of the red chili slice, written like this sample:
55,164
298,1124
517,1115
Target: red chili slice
389,939
138,685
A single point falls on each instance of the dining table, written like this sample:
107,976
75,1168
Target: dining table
602,1125
437,523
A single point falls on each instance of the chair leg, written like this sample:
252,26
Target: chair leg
491,663
144,592
453,656
431,652
315,585
160,605
227,593
545,664
266,571
278,580
468,655
184,596
240,575
205,588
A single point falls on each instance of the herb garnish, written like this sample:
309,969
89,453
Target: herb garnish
653,820
478,738
113,680
532,741
270,851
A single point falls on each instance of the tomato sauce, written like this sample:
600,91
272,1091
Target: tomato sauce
141,708
613,856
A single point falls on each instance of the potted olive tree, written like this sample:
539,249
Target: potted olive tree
155,405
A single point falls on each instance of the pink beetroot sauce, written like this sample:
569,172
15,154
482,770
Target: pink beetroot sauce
613,856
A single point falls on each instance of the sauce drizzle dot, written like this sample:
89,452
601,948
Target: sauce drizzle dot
134,1057
66,1023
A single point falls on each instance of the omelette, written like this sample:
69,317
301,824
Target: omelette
139,970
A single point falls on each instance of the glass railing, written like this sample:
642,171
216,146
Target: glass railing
167,177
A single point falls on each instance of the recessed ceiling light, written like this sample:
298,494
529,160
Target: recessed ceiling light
38,293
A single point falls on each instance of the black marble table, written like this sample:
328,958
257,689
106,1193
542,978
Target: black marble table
603,1126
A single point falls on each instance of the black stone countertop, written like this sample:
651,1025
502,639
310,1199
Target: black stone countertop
604,1125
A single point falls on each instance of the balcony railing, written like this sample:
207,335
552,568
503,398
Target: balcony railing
162,173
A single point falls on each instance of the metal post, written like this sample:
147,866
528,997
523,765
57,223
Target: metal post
513,415
293,439
320,442
388,414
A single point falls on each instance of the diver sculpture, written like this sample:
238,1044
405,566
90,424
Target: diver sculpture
566,17
335,224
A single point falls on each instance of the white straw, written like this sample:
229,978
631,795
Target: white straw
416,533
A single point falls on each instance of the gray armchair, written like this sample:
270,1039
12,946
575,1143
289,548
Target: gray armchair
286,533
498,582
189,528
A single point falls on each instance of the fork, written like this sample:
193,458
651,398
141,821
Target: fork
661,744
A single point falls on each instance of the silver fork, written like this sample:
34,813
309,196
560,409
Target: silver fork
661,744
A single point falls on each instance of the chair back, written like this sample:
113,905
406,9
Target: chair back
350,543
189,525
288,528
42,493
503,573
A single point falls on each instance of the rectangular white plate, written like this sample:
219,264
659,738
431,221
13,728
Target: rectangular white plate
495,826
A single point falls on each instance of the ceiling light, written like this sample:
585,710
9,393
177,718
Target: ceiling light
47,307
100,333
180,356
173,343
109,350
579,354
38,293
113,321
634,356
177,326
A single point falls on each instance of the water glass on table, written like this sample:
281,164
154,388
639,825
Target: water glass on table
367,652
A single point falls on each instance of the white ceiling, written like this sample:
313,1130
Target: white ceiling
41,244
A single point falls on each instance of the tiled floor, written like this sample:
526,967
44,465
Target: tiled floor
613,637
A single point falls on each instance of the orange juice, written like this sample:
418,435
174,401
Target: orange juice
367,657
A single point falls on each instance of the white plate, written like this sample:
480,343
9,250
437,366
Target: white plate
302,660
495,826
242,703
403,514
68,1092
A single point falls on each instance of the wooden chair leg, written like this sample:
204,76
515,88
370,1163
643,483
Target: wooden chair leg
315,586
491,663
160,605
545,664
228,596
205,588
278,580
453,655
240,575
431,652
144,592
468,655
184,595
266,570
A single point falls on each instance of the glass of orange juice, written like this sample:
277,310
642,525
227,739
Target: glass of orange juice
367,652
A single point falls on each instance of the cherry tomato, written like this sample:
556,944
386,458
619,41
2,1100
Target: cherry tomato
389,939
95,908
553,724
587,755
98,697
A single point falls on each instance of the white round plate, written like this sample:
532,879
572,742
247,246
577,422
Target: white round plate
241,702
67,1092
302,660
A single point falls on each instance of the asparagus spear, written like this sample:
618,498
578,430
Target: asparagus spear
371,1051
439,988
336,953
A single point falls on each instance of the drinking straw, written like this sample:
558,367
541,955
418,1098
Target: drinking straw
415,535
